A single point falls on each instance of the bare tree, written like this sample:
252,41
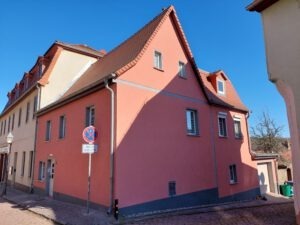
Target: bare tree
266,134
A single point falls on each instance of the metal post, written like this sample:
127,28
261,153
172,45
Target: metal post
89,183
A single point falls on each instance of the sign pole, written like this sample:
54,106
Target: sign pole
89,183
89,135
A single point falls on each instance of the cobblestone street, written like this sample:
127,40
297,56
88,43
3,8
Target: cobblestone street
11,214
279,214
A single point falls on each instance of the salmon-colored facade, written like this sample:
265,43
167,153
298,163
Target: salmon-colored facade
170,148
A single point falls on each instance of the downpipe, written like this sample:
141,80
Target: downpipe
112,141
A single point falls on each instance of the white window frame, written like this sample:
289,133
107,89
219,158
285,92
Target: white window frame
232,174
42,171
222,131
220,81
237,133
158,64
192,122
182,69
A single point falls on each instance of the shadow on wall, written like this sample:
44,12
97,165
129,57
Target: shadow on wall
159,165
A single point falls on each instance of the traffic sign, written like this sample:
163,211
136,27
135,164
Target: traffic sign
89,134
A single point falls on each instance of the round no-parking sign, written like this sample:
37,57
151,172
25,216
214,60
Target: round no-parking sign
89,134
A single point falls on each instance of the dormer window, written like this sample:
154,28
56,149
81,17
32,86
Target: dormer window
221,87
157,60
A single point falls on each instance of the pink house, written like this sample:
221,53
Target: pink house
169,135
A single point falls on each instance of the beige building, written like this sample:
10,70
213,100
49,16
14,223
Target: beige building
281,24
50,77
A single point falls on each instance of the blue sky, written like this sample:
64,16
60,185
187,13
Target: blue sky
221,34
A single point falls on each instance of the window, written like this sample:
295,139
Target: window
237,128
222,125
233,175
172,188
157,60
90,116
191,122
13,122
62,126
20,117
23,163
34,106
8,127
27,112
4,126
30,167
1,128
182,72
48,130
42,168
221,87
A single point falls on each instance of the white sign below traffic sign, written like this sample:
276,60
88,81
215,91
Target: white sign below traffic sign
89,149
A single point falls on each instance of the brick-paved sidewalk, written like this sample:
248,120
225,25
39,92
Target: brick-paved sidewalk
268,214
276,211
57,211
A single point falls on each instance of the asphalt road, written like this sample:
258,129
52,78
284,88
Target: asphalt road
11,214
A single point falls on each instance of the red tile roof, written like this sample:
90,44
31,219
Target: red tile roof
231,98
81,48
123,57
128,53
260,5
52,55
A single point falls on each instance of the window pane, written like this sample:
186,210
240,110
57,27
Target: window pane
237,129
90,116
48,130
220,87
233,174
191,122
27,112
182,69
20,117
62,126
157,60
30,163
34,106
222,126
23,163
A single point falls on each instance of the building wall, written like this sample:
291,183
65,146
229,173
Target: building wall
282,35
68,68
24,138
151,108
71,166
273,174
233,151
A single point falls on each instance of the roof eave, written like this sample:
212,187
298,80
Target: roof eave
76,95
26,93
264,156
261,5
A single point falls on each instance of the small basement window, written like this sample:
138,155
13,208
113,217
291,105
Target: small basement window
172,188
